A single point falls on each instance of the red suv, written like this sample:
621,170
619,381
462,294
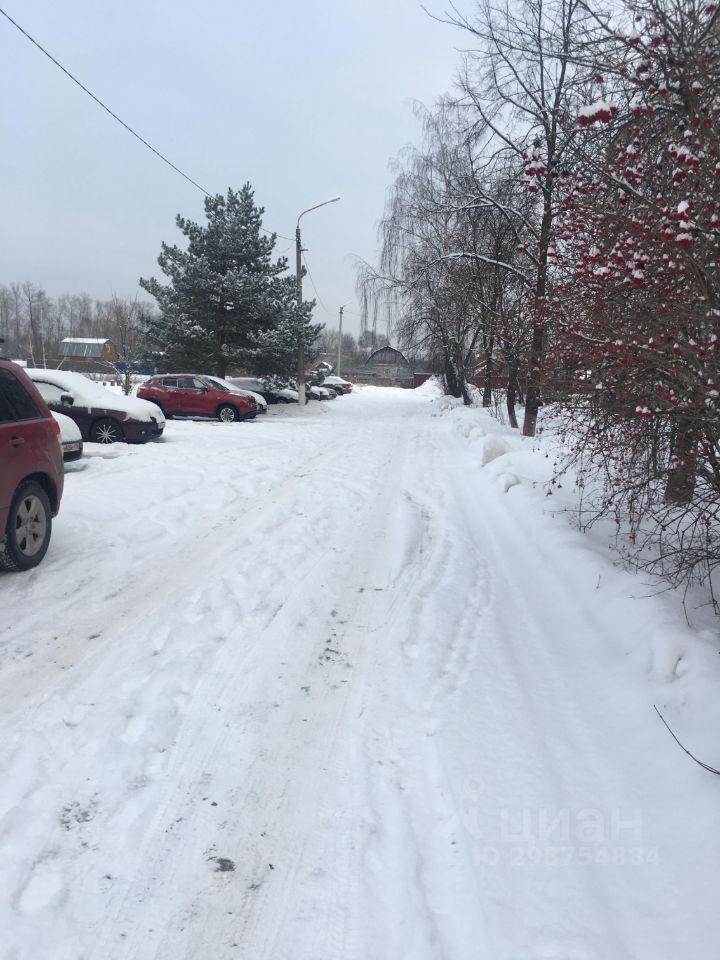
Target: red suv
31,470
190,395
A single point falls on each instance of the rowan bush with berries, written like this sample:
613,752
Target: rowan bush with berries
637,287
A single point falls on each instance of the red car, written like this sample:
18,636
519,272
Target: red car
189,395
31,470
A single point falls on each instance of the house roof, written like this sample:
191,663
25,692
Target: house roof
386,354
87,347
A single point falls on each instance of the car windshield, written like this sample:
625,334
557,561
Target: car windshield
50,392
217,384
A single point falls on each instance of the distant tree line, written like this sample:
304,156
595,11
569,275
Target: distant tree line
355,350
32,324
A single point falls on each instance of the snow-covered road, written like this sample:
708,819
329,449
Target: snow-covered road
320,687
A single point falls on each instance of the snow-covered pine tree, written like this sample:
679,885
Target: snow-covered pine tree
272,353
228,304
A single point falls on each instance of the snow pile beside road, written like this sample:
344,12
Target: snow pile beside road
679,661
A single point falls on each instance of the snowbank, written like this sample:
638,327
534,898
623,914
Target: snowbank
678,660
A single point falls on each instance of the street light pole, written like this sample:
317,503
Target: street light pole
337,369
301,334
298,280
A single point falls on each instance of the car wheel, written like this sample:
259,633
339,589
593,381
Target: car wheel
106,430
282,400
161,408
227,413
28,529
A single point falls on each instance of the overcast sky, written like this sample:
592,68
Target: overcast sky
305,100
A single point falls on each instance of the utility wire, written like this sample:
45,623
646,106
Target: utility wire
319,298
107,109
101,104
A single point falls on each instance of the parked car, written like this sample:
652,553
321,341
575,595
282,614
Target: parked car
31,473
260,401
319,393
70,438
337,390
270,393
101,415
193,395
333,381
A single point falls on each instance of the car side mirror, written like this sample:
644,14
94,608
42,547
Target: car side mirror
66,400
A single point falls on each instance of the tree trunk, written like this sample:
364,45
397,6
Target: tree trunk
453,381
682,475
533,396
487,392
512,391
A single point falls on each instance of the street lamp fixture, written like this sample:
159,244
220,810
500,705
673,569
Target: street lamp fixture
298,275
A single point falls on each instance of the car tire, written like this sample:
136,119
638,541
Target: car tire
161,408
28,529
282,400
106,430
227,413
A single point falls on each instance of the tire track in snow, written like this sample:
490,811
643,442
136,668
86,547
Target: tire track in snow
436,639
109,661
261,771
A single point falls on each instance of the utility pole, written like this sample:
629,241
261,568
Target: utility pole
298,280
301,335
337,369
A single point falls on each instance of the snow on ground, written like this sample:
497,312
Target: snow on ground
334,684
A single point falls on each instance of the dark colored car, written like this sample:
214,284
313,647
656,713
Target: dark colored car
102,416
190,395
338,384
31,470
269,393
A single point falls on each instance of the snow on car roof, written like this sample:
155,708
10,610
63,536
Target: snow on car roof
91,394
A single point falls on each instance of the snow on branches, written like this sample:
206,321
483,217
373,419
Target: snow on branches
599,112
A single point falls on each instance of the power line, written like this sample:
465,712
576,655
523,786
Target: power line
107,109
319,298
104,106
